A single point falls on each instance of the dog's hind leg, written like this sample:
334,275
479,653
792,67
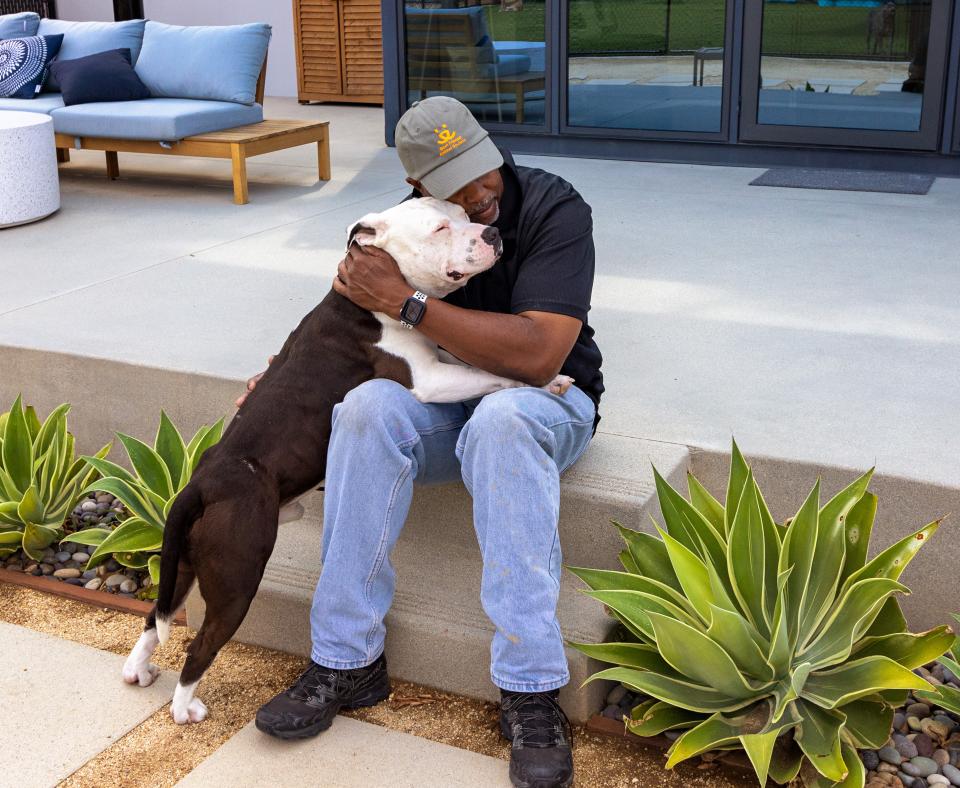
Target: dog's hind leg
229,573
137,669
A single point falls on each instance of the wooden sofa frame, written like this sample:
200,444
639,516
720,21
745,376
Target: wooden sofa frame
235,144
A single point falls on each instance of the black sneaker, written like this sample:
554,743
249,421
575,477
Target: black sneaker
309,706
541,756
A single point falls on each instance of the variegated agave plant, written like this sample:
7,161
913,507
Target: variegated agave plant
40,478
945,696
782,640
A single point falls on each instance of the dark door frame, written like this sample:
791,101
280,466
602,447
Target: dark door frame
927,138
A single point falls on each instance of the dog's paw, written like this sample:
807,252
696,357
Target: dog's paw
144,675
194,711
559,385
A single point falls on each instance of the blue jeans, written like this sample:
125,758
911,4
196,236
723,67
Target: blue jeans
509,448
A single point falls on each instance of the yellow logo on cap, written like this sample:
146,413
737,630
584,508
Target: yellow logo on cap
447,140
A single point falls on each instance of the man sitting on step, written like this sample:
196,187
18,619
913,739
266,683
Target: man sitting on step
526,319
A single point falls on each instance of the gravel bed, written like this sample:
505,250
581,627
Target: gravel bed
923,750
66,562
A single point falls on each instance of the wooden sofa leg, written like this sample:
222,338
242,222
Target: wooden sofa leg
63,155
323,157
113,165
238,154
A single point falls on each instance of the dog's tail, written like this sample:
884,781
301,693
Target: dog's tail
185,511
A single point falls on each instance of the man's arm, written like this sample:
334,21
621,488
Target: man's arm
530,347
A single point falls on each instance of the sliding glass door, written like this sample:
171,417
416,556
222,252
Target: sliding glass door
863,73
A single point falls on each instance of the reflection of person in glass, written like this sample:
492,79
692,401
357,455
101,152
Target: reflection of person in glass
918,35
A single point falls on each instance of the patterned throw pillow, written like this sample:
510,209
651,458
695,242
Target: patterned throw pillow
23,64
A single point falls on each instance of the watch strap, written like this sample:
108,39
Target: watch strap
422,298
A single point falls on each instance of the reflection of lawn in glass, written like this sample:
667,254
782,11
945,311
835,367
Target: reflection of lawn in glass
639,25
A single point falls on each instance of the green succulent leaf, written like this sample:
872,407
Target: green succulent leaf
208,438
786,760
857,679
685,694
169,445
636,606
36,539
892,561
911,651
88,536
133,535
630,655
818,735
606,580
739,472
746,558
858,527
650,556
135,498
106,468
741,641
11,538
799,547
945,697
132,560
148,465
869,722
698,657
706,504
889,621
659,717
153,565
17,450
760,746
31,508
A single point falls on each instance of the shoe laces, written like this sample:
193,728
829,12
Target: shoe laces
536,720
317,682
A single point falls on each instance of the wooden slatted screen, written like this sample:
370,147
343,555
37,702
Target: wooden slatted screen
317,26
362,47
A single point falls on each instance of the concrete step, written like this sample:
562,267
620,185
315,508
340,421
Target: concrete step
352,754
438,634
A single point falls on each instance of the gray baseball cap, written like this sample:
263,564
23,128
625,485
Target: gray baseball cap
441,145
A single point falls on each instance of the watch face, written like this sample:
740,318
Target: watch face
413,311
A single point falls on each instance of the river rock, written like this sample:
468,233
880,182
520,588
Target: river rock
890,755
925,766
906,779
937,731
81,557
920,710
47,569
93,584
128,586
913,722
906,748
65,574
942,757
924,745
937,779
616,695
952,773
88,506
114,581
870,760
89,574
62,557
613,712
887,768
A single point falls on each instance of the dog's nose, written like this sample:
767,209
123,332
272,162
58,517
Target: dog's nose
491,235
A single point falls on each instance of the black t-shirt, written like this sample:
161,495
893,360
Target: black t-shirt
547,263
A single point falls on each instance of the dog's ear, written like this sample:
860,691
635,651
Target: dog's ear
361,228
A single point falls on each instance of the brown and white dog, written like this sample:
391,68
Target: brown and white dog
223,525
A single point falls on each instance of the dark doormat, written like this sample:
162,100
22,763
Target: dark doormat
847,180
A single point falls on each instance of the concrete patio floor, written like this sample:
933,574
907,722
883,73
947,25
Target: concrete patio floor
814,326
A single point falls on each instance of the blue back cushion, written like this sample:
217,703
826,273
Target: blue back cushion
23,64
215,63
19,25
87,38
106,76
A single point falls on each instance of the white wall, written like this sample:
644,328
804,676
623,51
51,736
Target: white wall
282,62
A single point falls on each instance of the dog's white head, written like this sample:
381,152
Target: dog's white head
436,246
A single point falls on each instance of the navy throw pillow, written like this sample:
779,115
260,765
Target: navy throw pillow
105,76
24,62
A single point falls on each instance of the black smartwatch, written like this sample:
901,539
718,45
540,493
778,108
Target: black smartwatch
414,308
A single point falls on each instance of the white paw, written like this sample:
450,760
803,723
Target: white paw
144,675
559,385
194,711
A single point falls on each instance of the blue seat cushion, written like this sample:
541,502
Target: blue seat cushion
19,25
88,38
45,103
164,119
216,63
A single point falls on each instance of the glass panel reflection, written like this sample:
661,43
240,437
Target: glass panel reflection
490,54
853,64
646,64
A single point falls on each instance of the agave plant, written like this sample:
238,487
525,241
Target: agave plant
40,479
782,640
947,697
160,472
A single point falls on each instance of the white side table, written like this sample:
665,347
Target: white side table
29,182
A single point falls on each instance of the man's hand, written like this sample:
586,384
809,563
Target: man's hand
252,383
370,278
